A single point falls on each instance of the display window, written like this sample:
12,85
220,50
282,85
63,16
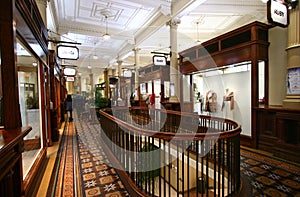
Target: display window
1,93
30,104
224,92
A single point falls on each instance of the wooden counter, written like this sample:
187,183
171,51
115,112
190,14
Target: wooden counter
11,148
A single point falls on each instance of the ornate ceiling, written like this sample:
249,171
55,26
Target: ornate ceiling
142,24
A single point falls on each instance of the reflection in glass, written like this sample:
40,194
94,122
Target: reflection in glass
29,99
1,94
167,89
186,88
261,81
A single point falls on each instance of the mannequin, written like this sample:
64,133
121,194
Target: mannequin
228,104
211,101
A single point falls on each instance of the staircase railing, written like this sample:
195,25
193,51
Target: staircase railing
168,153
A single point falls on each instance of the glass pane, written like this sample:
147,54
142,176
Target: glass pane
261,81
29,99
1,94
186,88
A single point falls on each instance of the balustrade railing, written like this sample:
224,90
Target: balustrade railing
168,153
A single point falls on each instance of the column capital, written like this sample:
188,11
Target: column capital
136,49
174,22
119,62
42,2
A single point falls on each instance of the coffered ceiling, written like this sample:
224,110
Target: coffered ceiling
142,24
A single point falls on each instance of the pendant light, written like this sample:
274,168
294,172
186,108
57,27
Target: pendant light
106,36
197,23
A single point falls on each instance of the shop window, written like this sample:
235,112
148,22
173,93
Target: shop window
1,93
29,99
186,88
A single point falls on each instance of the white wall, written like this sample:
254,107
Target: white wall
240,84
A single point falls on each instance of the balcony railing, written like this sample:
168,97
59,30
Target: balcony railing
168,153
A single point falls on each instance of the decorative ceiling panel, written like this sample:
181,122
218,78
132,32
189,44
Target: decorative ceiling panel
83,21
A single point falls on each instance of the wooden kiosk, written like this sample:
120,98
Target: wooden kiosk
247,43
273,128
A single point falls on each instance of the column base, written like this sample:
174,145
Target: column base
291,103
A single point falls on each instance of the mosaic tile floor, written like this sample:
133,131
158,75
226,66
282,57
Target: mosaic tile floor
270,176
99,178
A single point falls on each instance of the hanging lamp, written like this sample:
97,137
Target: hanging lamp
106,36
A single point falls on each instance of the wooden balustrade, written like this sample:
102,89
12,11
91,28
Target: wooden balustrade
168,153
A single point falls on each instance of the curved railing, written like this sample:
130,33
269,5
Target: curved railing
168,153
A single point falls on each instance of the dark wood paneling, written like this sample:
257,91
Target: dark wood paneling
12,146
11,109
279,132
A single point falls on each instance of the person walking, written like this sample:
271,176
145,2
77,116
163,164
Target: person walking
69,106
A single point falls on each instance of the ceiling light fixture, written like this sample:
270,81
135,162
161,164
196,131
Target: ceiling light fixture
106,36
95,56
198,41
106,13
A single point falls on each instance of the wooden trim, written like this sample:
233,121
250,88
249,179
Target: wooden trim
247,141
11,109
179,136
35,175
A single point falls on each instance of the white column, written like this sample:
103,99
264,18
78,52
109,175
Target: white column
293,60
119,76
91,75
174,70
136,74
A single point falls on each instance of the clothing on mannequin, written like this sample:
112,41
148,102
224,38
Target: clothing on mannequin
211,101
229,97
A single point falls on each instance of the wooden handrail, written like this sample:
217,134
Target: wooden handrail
212,150
178,136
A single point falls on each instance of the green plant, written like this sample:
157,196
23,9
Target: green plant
100,102
149,161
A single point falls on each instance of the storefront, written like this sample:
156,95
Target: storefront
25,97
230,73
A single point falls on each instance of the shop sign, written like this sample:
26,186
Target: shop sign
159,60
277,13
69,71
67,52
127,73
70,79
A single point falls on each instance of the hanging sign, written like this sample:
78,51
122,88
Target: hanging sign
127,73
159,60
277,13
67,52
69,71
70,79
